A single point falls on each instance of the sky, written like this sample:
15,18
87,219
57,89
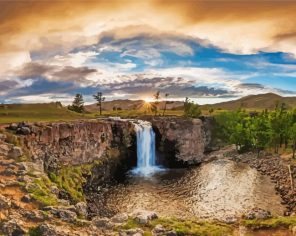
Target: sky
209,51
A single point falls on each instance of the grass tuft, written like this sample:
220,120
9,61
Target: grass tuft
72,179
271,223
40,192
183,227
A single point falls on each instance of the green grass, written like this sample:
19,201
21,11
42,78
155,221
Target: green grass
35,231
40,192
71,179
184,227
47,112
36,112
272,223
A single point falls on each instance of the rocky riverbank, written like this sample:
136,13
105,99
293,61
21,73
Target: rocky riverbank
278,171
281,172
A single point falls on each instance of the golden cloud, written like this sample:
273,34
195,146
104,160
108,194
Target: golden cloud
235,26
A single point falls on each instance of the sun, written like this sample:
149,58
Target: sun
148,100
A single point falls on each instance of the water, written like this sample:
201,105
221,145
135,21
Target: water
146,161
211,191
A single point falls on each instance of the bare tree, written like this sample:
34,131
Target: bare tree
99,98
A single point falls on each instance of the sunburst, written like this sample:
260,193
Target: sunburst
146,106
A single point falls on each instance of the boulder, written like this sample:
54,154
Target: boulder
33,167
81,209
231,219
257,213
143,217
102,222
8,172
2,137
158,230
55,190
119,218
26,198
5,148
23,130
171,233
48,230
132,232
64,202
66,214
13,126
36,215
5,203
13,227
15,152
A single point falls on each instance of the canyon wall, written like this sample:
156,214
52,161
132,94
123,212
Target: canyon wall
183,139
79,142
76,142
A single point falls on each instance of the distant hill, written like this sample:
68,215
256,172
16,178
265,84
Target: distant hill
261,101
126,104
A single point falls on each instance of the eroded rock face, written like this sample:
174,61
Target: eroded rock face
185,139
79,142
13,227
76,142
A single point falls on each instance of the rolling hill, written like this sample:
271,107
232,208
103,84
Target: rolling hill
261,101
56,111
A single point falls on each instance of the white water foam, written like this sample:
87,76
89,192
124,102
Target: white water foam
146,162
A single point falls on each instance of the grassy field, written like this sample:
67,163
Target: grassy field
46,112
36,112
56,112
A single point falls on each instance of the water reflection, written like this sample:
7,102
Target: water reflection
213,190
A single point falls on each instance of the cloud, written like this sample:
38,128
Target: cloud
41,98
176,86
7,85
56,73
37,25
197,48
74,74
256,88
251,86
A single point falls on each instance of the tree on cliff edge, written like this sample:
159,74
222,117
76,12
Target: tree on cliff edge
156,97
190,109
77,104
165,103
99,98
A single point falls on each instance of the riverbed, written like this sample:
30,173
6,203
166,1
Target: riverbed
214,190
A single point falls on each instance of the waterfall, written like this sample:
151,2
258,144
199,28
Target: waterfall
146,164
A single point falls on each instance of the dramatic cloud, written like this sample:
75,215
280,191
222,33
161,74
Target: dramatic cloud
56,73
131,48
177,87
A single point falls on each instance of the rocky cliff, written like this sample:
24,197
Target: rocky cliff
80,142
181,139
75,143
